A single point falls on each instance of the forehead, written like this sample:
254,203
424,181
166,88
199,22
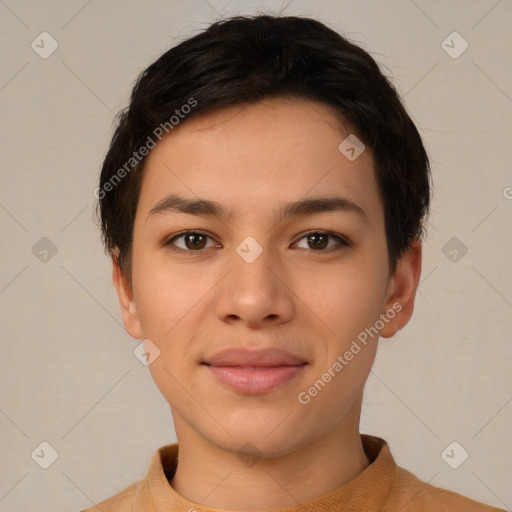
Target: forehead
256,156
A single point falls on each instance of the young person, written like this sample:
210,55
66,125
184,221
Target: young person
264,199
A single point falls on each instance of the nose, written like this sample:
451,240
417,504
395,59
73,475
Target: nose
255,293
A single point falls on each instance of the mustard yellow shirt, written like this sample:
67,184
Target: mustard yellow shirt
382,487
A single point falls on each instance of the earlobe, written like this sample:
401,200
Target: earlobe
126,299
402,290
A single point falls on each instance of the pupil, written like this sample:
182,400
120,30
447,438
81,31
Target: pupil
318,245
197,244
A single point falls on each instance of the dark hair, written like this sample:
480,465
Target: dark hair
242,60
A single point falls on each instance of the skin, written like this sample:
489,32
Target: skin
254,160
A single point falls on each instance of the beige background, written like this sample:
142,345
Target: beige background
69,376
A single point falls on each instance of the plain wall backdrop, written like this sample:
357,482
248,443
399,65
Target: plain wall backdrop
69,375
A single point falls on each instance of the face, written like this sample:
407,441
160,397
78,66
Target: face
254,231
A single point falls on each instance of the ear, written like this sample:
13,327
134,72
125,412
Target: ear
402,290
126,299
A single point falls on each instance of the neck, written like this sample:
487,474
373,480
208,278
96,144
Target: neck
215,477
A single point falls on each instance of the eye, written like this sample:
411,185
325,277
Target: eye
189,241
196,241
318,241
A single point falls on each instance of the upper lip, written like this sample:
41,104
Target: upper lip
262,357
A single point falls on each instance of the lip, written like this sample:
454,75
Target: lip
254,372
263,357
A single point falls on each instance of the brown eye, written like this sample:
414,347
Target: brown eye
191,241
318,241
195,241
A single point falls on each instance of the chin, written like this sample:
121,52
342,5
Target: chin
265,441
259,446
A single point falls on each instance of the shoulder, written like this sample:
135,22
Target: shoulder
139,495
410,494
121,502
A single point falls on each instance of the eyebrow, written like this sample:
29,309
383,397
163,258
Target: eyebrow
303,207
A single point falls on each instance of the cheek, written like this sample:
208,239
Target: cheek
166,294
341,307
345,299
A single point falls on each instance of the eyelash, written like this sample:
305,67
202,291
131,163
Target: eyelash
341,242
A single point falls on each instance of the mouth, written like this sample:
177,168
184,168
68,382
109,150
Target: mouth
255,380
254,372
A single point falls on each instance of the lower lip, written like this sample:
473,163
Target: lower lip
254,381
